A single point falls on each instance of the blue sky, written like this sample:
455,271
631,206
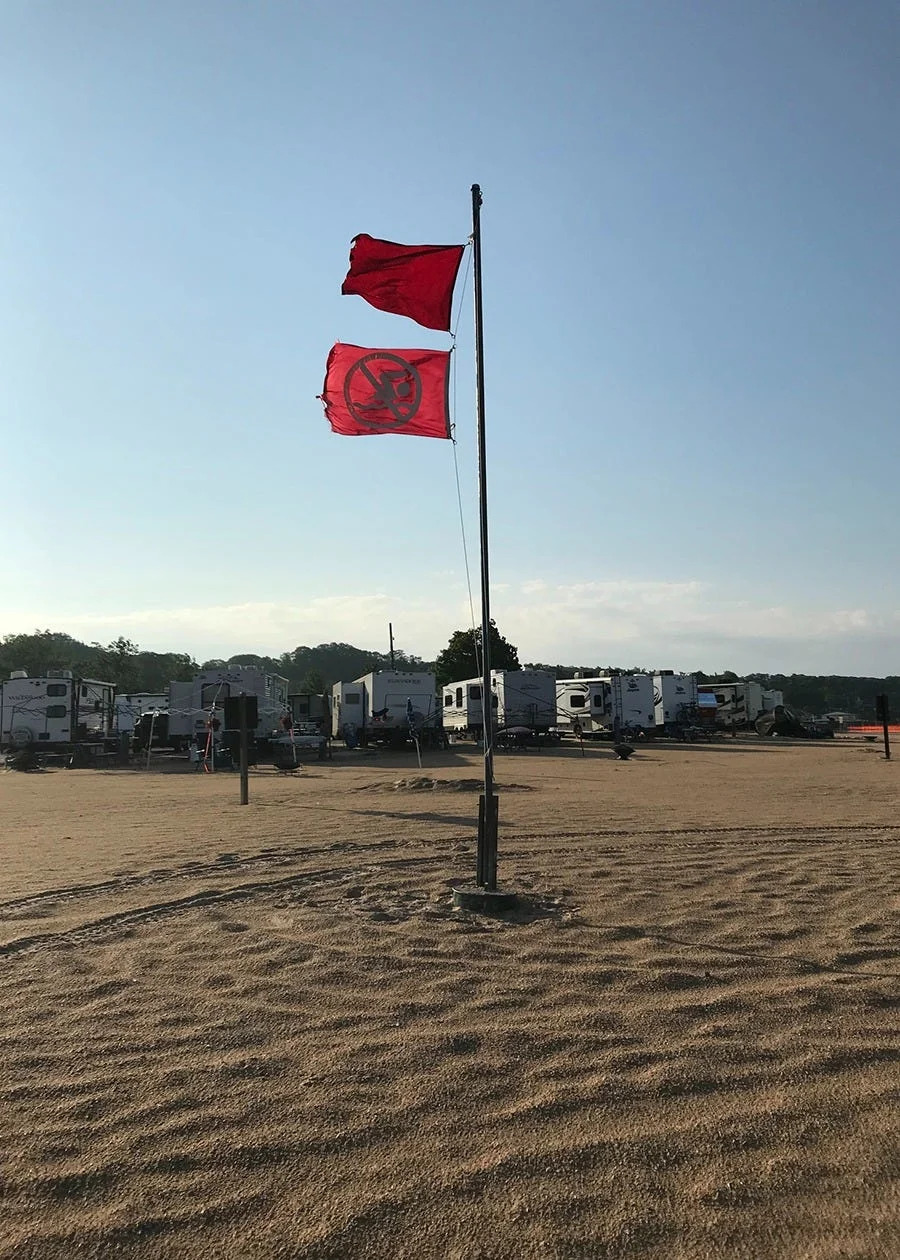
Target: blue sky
691,274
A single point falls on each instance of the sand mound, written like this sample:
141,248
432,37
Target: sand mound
422,783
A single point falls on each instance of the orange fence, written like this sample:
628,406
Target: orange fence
874,729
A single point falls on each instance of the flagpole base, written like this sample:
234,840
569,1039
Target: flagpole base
483,900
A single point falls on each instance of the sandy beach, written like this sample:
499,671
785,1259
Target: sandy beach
265,1032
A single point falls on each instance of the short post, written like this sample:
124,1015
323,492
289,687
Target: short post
245,751
150,740
883,713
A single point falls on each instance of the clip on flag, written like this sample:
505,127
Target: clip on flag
412,280
387,391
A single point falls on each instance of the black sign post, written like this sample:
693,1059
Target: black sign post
883,713
245,751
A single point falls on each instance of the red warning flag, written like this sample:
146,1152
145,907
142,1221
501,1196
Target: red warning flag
413,280
387,391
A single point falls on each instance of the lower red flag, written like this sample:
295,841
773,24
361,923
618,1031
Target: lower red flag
387,391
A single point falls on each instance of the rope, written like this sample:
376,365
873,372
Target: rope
462,522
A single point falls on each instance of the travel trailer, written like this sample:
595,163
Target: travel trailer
614,704
194,705
519,697
128,709
737,703
383,707
674,698
307,708
54,712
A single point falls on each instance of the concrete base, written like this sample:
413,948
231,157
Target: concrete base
483,900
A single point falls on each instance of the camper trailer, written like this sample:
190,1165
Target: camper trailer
519,697
129,709
738,704
308,708
612,705
674,699
53,713
194,705
383,707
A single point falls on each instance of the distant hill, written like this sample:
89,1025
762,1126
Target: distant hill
316,668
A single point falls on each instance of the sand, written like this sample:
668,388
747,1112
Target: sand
264,1031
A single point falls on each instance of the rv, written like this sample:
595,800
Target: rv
198,706
617,703
384,707
674,698
307,708
737,703
54,712
129,709
519,697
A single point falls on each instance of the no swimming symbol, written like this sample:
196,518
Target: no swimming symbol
382,391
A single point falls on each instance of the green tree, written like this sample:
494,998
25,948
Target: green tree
314,682
462,656
118,663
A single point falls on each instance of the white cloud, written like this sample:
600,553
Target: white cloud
674,624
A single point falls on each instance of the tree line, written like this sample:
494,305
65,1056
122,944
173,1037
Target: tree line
315,669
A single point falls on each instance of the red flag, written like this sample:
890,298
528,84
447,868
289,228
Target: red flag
387,391
413,280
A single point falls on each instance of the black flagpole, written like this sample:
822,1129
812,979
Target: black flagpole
485,895
486,861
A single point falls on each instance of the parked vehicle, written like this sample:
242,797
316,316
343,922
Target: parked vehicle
55,712
738,704
617,704
198,706
519,698
674,698
307,707
128,709
385,707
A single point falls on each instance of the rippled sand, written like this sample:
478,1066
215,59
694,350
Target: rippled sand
263,1031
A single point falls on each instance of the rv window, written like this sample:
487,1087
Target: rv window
448,699
577,702
83,692
459,697
56,710
56,689
598,700
474,693
352,697
494,700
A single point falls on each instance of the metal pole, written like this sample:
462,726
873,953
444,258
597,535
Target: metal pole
881,708
245,752
150,740
486,858
391,637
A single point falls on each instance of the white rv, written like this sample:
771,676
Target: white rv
193,705
129,708
674,698
54,712
737,703
383,706
308,708
519,697
609,705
